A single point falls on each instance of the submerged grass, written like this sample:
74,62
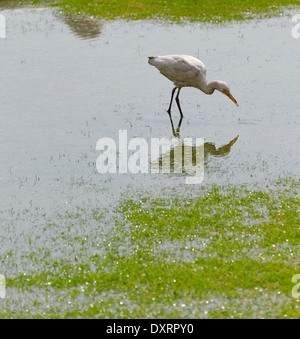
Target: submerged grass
231,252
197,10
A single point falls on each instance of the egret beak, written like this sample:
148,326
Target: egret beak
230,96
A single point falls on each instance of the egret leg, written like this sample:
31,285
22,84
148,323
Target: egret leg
178,103
173,91
176,132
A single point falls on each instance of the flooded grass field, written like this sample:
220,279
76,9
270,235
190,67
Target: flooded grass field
76,243
179,10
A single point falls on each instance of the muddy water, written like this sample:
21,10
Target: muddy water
67,82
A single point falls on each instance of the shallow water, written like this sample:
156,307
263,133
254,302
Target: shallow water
67,82
61,92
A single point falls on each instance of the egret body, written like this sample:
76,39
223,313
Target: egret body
187,71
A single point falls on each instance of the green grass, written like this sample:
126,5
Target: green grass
193,10
231,252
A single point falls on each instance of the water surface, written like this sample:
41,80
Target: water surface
66,82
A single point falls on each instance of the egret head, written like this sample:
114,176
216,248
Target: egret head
224,88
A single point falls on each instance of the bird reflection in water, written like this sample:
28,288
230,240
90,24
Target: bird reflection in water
83,28
197,154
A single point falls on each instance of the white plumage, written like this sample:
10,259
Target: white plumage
187,71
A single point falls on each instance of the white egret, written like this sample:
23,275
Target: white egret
187,71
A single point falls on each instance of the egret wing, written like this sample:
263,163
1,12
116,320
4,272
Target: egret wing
180,69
